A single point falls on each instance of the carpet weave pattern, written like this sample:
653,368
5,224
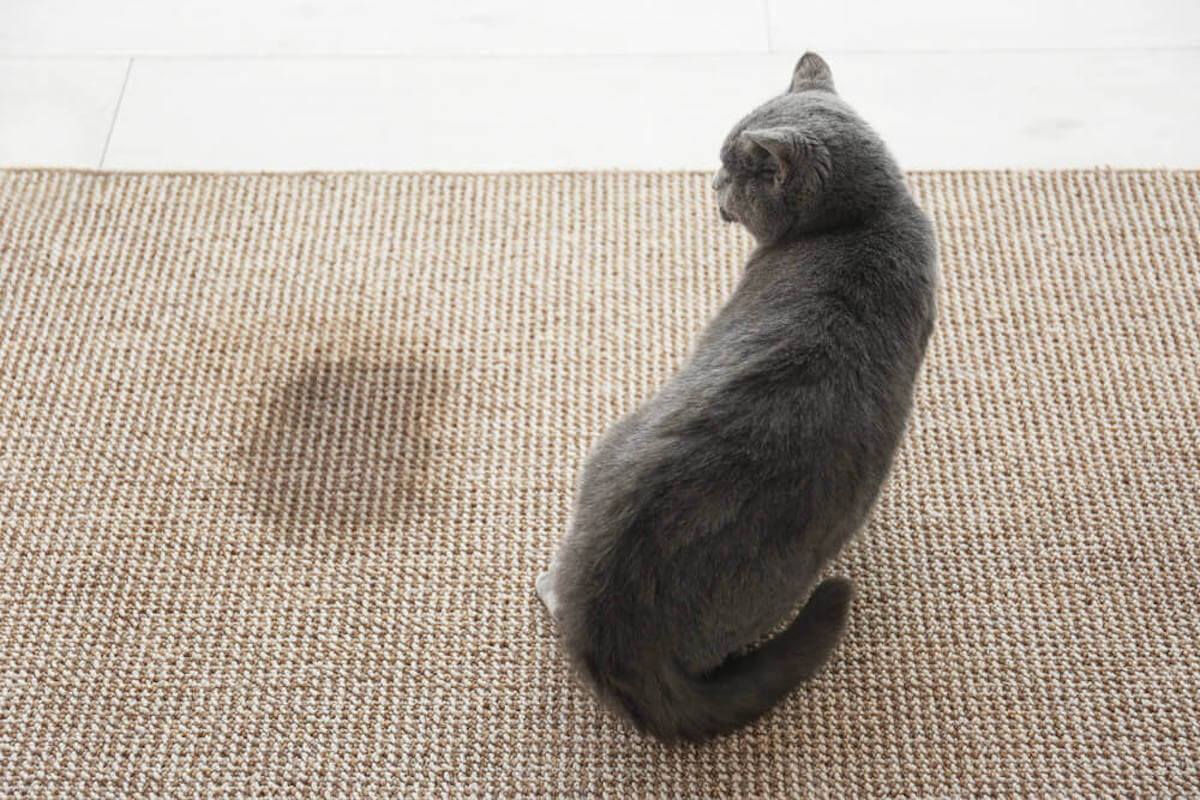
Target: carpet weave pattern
280,456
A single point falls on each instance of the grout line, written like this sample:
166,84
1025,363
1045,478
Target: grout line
116,111
150,55
372,55
1010,168
766,4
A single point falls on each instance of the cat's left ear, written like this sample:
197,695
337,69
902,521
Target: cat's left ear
792,153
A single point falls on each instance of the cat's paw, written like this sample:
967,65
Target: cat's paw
545,591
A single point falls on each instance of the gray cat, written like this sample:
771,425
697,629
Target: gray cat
704,516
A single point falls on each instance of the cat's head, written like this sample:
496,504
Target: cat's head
802,161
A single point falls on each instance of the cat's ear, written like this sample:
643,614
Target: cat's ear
780,146
811,73
792,152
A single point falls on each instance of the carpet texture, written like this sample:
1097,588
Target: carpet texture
280,457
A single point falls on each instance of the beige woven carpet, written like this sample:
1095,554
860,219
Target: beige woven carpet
280,457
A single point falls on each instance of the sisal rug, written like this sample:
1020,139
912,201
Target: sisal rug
280,456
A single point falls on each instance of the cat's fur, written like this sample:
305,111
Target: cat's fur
704,516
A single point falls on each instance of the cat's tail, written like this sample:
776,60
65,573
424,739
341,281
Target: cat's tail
746,686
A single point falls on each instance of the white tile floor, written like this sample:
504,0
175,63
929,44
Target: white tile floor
554,84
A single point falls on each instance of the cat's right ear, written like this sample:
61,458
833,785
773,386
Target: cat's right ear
812,73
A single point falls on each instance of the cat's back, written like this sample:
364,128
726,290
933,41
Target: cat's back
852,301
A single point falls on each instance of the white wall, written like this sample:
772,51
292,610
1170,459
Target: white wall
535,84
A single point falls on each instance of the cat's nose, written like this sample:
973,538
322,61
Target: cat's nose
718,176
